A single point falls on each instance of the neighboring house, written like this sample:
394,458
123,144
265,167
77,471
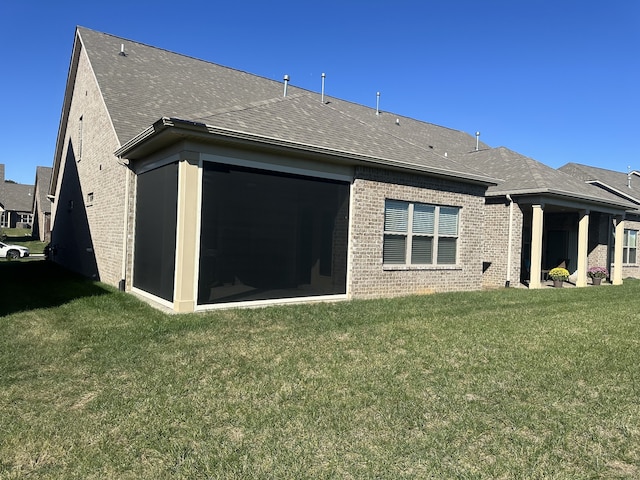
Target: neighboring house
551,218
41,205
15,203
625,186
201,186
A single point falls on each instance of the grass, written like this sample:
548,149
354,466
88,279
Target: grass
22,236
502,384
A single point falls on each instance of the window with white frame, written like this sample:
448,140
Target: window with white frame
420,234
630,246
25,218
4,219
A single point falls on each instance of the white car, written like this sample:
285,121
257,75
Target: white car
13,251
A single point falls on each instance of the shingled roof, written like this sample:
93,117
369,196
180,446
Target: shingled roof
625,185
43,180
148,83
522,175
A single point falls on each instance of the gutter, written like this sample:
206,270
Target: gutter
184,127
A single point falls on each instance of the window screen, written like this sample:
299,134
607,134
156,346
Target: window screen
267,235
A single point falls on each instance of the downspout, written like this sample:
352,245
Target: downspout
122,285
507,282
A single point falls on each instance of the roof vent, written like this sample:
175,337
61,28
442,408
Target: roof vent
286,82
398,121
122,52
477,141
322,97
377,103
629,176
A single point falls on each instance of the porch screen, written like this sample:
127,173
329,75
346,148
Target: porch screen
155,235
268,235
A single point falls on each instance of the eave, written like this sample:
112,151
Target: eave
166,131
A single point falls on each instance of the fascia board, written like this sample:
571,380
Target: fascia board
182,127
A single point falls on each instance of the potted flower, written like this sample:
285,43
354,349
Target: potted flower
596,274
559,275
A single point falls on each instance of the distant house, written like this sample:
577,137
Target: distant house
200,186
15,203
41,205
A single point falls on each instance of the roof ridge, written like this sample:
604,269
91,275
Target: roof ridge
80,28
248,106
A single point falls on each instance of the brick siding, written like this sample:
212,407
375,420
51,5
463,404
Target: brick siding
368,277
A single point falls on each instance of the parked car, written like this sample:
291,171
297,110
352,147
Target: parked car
13,251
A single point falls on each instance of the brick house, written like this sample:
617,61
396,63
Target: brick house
41,205
625,186
200,186
15,203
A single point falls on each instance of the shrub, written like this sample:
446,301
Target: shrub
559,273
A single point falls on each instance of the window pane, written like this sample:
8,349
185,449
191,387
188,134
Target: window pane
422,250
625,255
633,238
394,250
396,215
632,255
423,218
448,221
447,251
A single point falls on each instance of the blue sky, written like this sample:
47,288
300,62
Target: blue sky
554,80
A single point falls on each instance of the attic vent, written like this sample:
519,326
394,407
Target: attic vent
122,52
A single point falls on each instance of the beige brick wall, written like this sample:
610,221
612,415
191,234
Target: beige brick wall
367,276
632,271
90,144
496,239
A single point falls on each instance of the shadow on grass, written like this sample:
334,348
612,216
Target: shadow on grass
27,285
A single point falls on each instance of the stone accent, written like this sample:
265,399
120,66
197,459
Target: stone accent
368,278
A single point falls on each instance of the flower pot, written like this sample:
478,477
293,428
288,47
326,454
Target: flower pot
596,281
557,283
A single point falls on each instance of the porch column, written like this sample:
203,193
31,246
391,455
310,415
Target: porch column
537,223
187,239
583,248
619,250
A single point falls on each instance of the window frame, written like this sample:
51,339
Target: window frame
626,249
410,234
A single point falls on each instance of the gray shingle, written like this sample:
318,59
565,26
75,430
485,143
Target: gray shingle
524,175
149,83
626,185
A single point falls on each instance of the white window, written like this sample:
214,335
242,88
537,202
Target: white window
420,234
25,218
4,219
630,246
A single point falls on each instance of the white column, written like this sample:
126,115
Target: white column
537,223
619,249
583,248
187,239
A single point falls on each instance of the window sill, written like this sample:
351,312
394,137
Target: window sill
389,268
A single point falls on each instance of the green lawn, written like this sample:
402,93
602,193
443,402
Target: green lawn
21,236
504,384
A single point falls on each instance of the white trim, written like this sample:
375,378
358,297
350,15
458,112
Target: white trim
196,272
150,296
273,301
